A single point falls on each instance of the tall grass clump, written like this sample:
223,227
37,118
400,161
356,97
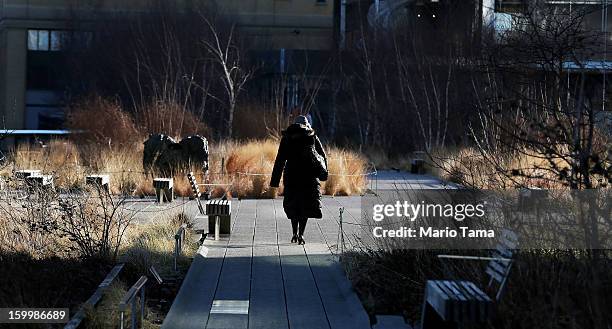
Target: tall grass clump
60,158
242,169
470,167
347,171
153,244
251,164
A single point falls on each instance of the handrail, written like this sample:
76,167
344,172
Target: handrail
130,299
95,298
501,259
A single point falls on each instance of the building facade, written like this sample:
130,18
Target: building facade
34,32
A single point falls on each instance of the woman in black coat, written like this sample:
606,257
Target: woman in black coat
294,160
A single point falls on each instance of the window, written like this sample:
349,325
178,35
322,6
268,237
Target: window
32,39
43,40
56,40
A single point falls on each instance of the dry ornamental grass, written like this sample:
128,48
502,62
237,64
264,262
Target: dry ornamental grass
241,169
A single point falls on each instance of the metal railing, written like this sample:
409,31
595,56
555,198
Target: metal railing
130,299
95,298
179,239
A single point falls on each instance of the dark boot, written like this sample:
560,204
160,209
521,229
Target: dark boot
294,227
302,227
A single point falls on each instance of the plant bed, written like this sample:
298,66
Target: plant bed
558,287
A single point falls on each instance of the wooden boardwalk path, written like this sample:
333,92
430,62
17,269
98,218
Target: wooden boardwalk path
256,278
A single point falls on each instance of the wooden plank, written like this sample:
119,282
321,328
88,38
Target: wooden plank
507,241
192,305
496,271
503,252
487,306
268,306
460,301
471,302
304,306
342,306
484,300
494,274
438,298
450,303
235,277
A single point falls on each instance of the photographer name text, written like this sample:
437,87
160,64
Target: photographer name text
410,212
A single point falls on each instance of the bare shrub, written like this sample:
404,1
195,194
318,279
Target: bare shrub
254,122
169,118
103,121
89,224
95,222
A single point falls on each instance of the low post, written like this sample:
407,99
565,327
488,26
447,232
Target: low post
341,239
217,227
178,244
418,163
164,189
142,304
133,311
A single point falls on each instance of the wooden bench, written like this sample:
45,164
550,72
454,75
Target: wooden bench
219,214
215,216
23,174
195,190
40,181
463,302
200,222
98,181
164,189
417,165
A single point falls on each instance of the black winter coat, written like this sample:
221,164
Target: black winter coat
302,190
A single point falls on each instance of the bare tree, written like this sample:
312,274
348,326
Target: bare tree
537,99
539,118
226,54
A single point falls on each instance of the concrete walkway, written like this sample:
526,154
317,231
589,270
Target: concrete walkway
255,278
